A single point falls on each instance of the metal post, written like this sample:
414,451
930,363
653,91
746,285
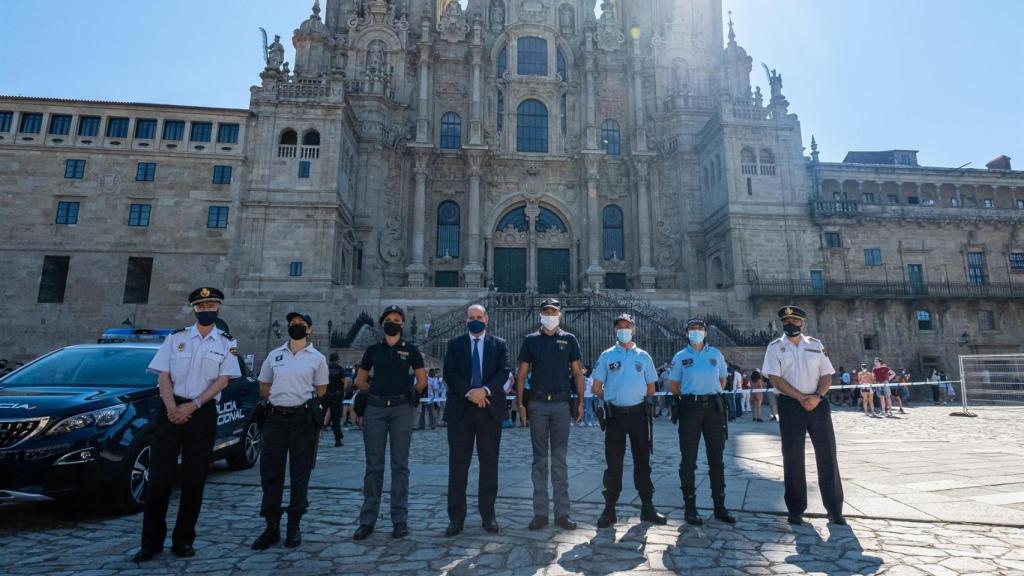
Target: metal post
963,390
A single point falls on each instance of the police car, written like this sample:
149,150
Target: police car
80,419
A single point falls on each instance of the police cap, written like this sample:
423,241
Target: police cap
389,310
792,312
205,294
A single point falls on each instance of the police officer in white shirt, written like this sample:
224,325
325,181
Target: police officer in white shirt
193,365
802,373
290,377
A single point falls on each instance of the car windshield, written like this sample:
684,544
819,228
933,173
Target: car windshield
99,366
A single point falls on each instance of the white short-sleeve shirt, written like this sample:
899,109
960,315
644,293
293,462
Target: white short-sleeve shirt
194,361
293,377
802,364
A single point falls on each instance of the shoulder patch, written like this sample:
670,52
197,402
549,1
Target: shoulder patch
233,351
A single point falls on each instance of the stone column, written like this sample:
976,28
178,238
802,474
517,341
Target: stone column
476,105
589,97
473,270
647,272
417,270
423,101
532,211
640,137
595,272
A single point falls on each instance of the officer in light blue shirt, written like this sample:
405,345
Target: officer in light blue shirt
698,373
624,377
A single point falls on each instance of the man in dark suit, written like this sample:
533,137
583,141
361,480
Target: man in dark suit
475,370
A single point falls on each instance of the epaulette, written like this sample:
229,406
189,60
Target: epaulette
179,330
813,339
779,339
227,335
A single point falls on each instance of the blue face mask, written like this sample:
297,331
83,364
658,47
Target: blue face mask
695,336
624,335
476,326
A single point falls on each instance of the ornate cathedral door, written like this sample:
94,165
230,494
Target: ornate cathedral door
510,269
553,273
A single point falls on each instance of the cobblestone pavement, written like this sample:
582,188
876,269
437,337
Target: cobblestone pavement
928,494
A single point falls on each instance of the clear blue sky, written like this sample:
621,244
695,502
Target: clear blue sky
945,77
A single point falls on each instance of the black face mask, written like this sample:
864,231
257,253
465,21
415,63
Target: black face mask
392,328
296,331
791,329
206,318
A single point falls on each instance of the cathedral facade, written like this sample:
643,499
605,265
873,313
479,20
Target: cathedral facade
428,152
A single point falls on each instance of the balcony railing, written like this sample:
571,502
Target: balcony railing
853,209
882,290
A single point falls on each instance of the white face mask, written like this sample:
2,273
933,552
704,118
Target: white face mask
549,322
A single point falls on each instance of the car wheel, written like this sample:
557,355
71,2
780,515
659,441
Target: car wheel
249,449
130,495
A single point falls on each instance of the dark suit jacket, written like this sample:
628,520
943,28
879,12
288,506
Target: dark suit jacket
458,375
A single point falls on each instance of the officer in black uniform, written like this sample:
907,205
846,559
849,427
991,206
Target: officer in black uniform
388,417
335,395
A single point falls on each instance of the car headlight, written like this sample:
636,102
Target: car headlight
100,418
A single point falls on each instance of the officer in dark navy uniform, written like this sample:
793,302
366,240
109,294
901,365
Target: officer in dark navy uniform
801,371
193,365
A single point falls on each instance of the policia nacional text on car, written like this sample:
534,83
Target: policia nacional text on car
802,373
697,377
624,377
293,378
193,365
390,399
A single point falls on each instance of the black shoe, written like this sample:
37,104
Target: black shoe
795,520
690,515
565,523
608,517
648,513
184,551
538,522
722,515
293,536
491,526
454,529
144,555
271,535
338,443
401,530
363,532
838,519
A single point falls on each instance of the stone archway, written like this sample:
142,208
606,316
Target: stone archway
532,251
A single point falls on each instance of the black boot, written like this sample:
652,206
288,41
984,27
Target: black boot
607,519
294,535
271,534
691,516
721,513
337,442
648,513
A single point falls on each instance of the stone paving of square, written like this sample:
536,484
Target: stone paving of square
927,494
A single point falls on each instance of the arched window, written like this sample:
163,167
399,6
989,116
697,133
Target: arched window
451,131
532,127
611,137
516,219
748,162
502,62
924,320
532,56
548,220
288,144
448,229
501,111
289,138
767,162
311,138
563,71
614,240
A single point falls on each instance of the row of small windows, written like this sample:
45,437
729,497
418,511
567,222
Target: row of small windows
753,164
118,127
138,215
986,320
53,281
894,199
74,169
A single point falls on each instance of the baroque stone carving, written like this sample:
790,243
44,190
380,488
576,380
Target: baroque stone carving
497,16
608,36
391,250
533,11
453,25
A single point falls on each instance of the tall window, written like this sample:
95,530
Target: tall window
818,281
74,169
563,71
227,134
201,132
976,268
304,166
145,129
53,280
748,162
174,129
67,213
501,111
138,215
60,124
117,127
311,138
614,240
563,114
833,240
448,219
532,127
611,137
502,65
1016,262
5,121
924,320
217,217
222,174
295,269
767,162
872,256
145,172
30,123
136,281
532,56
89,126
451,131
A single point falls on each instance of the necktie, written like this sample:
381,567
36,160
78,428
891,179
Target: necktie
477,381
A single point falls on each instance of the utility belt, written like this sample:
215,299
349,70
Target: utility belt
614,410
286,411
546,397
390,401
687,399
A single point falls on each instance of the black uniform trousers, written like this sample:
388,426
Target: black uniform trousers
287,437
332,402
193,440
795,424
477,426
618,427
707,419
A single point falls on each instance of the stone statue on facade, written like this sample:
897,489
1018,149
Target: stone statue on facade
567,20
275,53
497,15
453,25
